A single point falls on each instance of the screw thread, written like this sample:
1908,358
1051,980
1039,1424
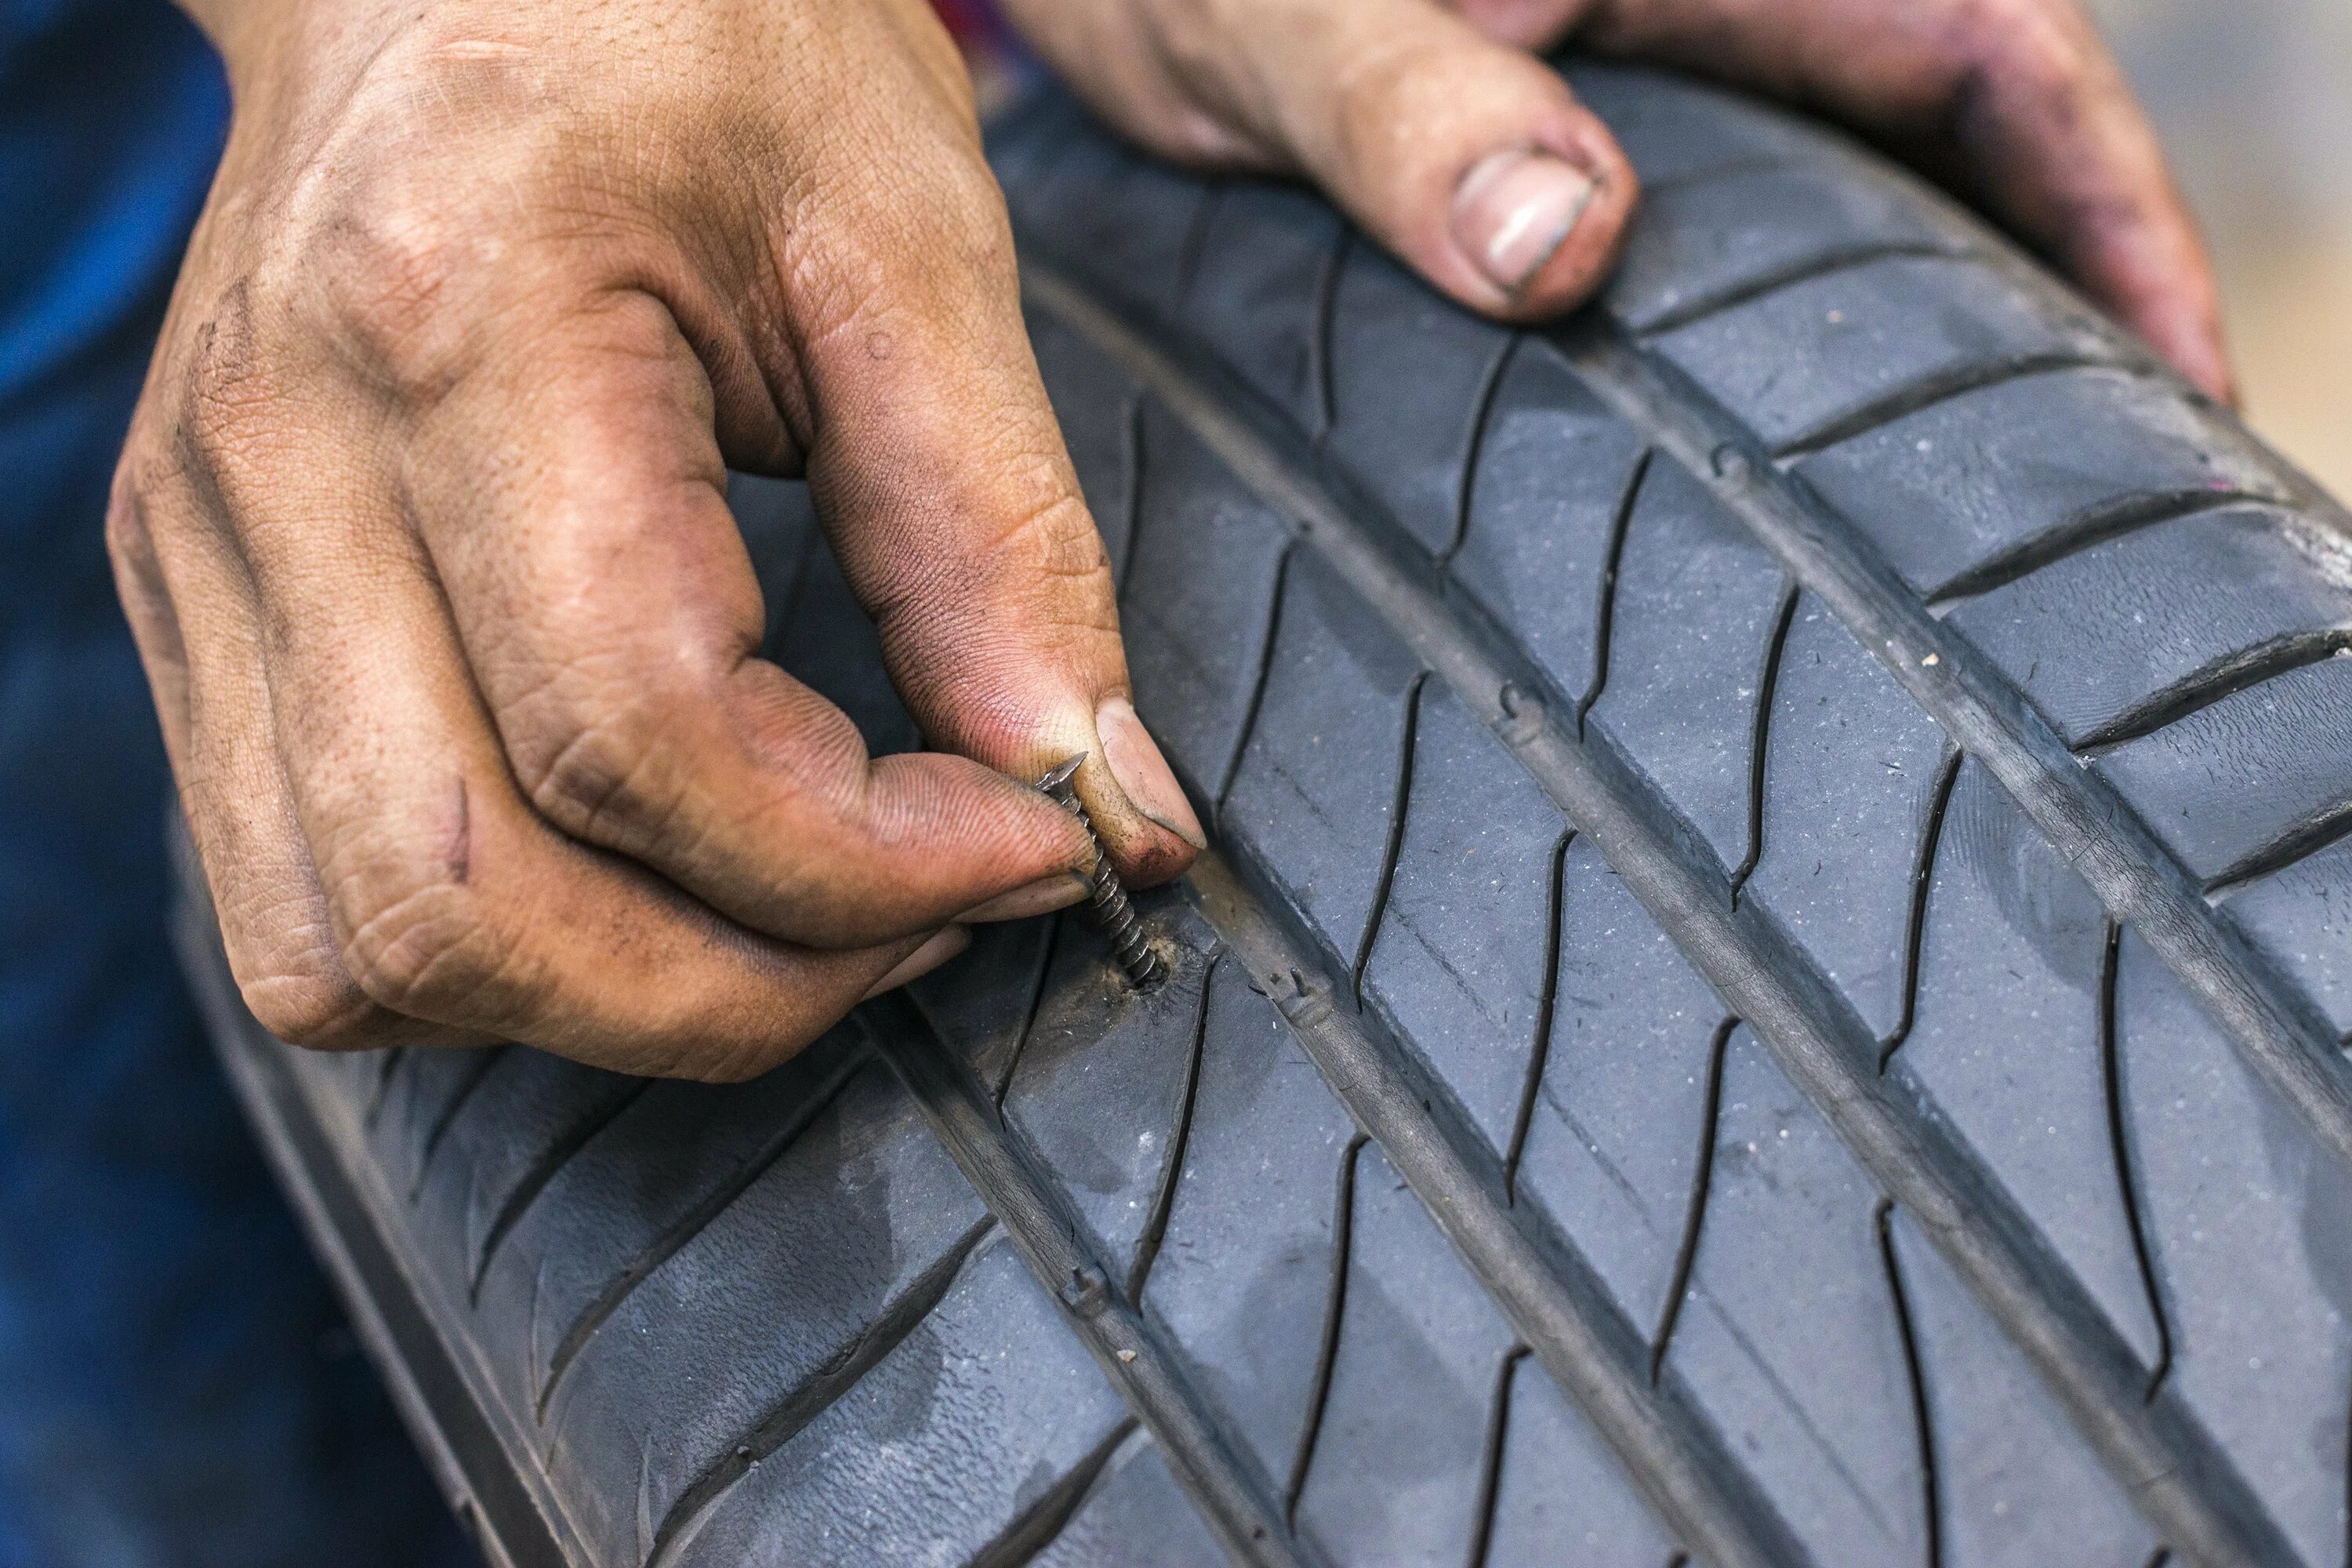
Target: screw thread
1114,914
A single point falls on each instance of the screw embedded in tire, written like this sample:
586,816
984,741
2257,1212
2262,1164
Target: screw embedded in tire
1113,913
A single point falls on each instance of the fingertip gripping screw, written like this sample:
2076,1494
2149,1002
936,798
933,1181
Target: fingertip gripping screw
1113,913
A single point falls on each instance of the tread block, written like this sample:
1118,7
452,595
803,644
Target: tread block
1789,1336
936,1453
1199,598
419,1105
1460,962
1390,329
2229,785
1613,1146
1696,602
1705,239
1400,1453
1673,130
981,1004
1134,1516
1559,1496
780,1285
2302,917
1551,474
1100,1090
2016,1487
1317,788
1244,1275
1100,412
1801,363
816,629
627,1193
1999,472
1266,252
530,1109
2013,951
1121,220
2094,637
1851,770
2250,1232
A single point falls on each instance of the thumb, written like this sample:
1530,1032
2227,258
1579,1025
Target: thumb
1469,159
952,503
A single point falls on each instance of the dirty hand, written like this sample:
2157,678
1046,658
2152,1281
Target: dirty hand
1438,131
421,528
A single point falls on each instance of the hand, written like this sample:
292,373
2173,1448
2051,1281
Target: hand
1442,136
421,528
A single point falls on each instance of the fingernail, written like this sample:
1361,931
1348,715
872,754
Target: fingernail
1514,210
1143,774
1044,896
942,945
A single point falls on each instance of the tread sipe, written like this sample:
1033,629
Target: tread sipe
1772,987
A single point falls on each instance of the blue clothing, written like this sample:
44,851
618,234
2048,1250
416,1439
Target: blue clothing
176,1383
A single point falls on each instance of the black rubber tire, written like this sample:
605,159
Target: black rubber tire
1772,990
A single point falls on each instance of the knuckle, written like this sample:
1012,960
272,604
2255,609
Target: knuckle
399,265
595,772
292,978
419,944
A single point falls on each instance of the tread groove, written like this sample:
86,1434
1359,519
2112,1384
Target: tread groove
1670,1311
1481,416
688,1226
2140,881
1928,391
2226,677
1923,881
1398,805
1036,1002
1258,683
1545,1289
1605,621
2300,842
2172,1467
1335,1313
1539,1047
812,1398
387,1067
1490,1464
1163,1202
1931,1511
1040,1523
2111,1079
1133,500
1235,1496
1759,736
485,1059
2085,530
1196,238
1327,300
543,1171
1844,258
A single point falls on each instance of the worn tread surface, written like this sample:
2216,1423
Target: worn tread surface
1771,991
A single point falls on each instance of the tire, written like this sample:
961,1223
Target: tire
1771,989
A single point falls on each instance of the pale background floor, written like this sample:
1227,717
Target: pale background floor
2254,99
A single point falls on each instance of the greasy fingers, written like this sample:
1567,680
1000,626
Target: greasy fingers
1468,158
940,469
421,528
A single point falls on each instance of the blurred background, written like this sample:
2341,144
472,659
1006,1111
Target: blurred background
2255,101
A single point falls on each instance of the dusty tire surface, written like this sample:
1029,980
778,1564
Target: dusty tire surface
1771,989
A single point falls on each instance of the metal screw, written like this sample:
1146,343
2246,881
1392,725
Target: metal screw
1113,913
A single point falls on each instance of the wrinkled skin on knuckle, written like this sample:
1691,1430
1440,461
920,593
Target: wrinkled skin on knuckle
411,926
597,769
